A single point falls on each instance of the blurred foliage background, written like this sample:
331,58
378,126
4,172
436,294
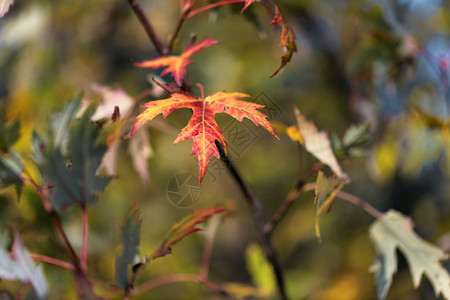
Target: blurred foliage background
385,63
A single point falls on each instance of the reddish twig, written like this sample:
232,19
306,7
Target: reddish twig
174,278
81,279
147,26
361,203
210,6
85,239
57,223
206,257
49,260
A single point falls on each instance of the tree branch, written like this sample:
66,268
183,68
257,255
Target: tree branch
49,260
291,196
212,5
180,23
147,26
173,278
258,217
361,203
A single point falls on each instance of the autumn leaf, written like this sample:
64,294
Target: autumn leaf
247,4
176,65
287,39
4,6
183,228
317,143
325,192
22,268
202,126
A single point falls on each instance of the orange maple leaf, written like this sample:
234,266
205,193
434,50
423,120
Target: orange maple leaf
176,64
247,3
183,228
287,39
202,127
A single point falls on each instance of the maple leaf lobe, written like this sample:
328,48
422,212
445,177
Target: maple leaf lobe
176,64
247,4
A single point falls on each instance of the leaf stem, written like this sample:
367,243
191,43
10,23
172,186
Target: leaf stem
361,203
173,278
258,217
206,256
210,6
145,22
180,23
57,223
49,260
291,196
85,239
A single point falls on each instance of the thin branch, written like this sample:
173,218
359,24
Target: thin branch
212,5
84,244
147,26
206,256
173,278
361,203
80,277
181,19
52,261
49,260
58,227
258,217
291,196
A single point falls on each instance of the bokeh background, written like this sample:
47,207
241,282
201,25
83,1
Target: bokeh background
385,63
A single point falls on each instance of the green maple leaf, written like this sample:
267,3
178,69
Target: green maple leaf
394,231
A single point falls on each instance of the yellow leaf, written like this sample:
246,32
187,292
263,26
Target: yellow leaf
317,143
325,192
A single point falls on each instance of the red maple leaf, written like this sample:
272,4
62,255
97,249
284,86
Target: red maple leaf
202,127
183,228
287,39
176,64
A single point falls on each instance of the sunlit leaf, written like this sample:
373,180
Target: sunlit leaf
260,270
22,268
111,97
317,143
140,151
176,65
183,228
202,127
395,231
325,192
287,39
4,6
130,237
